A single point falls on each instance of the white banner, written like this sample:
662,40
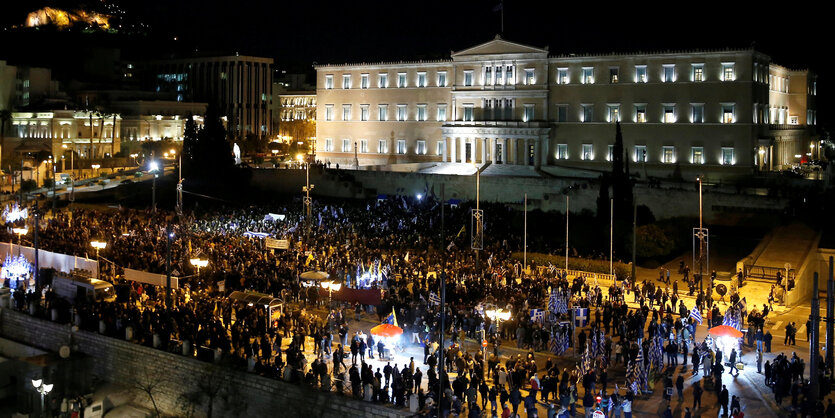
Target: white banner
278,244
47,259
150,278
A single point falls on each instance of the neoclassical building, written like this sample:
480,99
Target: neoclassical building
723,112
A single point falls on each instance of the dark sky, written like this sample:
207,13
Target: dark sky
300,32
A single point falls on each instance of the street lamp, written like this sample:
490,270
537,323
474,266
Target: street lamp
307,188
332,287
20,232
477,240
43,389
199,263
153,167
134,155
98,245
702,234
96,167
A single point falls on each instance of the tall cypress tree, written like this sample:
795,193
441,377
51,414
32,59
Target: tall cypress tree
621,184
189,145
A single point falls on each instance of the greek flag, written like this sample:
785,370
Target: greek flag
537,315
581,317
552,301
695,314
732,318
434,298
552,268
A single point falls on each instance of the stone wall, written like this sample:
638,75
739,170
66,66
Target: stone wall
126,363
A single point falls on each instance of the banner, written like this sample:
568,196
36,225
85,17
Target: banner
278,244
150,278
347,294
47,259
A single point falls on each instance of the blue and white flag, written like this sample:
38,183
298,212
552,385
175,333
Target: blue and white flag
434,298
581,317
552,301
538,315
695,314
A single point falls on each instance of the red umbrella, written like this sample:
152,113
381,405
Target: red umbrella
725,331
386,330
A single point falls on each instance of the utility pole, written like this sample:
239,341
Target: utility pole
634,237
566,233
168,266
441,366
830,316
35,242
814,389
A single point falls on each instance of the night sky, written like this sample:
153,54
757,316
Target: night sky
300,32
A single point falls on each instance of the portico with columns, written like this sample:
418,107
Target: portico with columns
496,142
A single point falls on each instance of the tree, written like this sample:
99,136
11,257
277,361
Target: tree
5,118
148,382
189,144
213,153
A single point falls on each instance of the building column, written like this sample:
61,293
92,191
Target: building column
537,152
451,149
504,150
526,143
443,154
544,150
484,142
492,142
463,150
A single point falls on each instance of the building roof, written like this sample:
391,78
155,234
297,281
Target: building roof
499,46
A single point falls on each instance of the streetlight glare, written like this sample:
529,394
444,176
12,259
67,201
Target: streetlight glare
153,166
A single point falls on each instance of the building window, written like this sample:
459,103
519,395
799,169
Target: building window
610,151
640,154
613,75
421,112
613,113
401,112
529,113
401,146
728,156
442,112
383,112
488,75
562,151
728,71
668,154
728,113
562,113
328,112
442,79
468,78
562,75
669,73
346,112
640,113
328,144
329,81
640,73
383,81
697,72
382,146
509,75
346,145
697,155
421,81
364,113
440,148
468,113
364,146
363,81
588,112
421,147
698,113
401,80
588,75
499,75
529,76
588,153
346,81
669,113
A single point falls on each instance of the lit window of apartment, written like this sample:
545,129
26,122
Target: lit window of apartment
329,81
346,145
697,72
383,112
421,112
529,112
401,80
328,112
669,73
346,112
442,112
401,146
697,155
440,148
401,112
588,152
641,74
728,113
668,154
363,81
613,75
588,75
640,154
468,78
421,81
383,81
562,75
364,112
442,79
697,113
610,151
382,146
328,144
613,114
363,146
421,147
640,113
727,156
529,76
562,151
346,81
588,112
468,113
669,113
728,71
562,113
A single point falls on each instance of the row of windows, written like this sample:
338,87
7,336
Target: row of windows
362,146
668,154
401,114
383,80
669,73
669,113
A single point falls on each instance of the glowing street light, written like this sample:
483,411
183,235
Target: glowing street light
199,263
306,189
43,389
153,167
20,232
98,245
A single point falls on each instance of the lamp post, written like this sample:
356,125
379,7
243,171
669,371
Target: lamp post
702,235
20,232
43,389
199,263
477,235
332,287
98,245
153,167
307,188
96,167
497,315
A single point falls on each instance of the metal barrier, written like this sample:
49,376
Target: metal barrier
767,273
579,273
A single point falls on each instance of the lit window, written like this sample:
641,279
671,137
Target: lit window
613,75
363,81
588,153
442,79
640,73
728,113
697,155
499,75
728,156
610,151
728,71
698,115
529,113
640,113
383,81
346,145
613,113
562,151
588,112
697,72
401,80
468,113
588,75
401,146
364,113
421,81
421,112
441,112
346,81
509,75
562,75
440,148
383,112
364,146
668,155
640,154
329,112
346,112
529,76
401,112
669,73
329,81
488,75
328,144
562,113
382,146
468,78
669,113
421,147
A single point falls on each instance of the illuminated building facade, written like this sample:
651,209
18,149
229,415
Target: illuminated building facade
506,103
296,114
51,130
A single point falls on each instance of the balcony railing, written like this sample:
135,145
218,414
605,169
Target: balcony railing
786,127
498,123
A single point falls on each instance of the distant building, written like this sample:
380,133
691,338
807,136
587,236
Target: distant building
156,120
295,114
21,85
708,112
90,134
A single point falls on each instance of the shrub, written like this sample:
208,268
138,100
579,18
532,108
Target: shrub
574,263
